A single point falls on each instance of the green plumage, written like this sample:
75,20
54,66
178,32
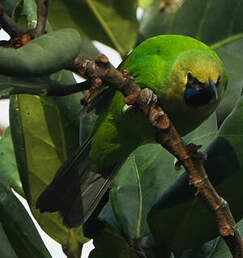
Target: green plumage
189,80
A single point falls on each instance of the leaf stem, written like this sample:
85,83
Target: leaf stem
140,200
227,41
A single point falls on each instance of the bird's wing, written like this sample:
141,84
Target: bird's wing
75,190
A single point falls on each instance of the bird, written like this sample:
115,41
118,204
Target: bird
189,80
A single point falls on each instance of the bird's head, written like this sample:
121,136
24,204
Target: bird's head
200,77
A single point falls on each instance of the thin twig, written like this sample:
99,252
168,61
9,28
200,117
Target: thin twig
64,90
18,36
9,25
42,13
168,137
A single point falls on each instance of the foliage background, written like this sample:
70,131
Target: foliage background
217,23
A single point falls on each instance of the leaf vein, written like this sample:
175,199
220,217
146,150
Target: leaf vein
205,13
234,16
106,27
140,198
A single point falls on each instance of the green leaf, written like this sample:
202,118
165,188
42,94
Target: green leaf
6,250
204,134
108,21
149,169
230,50
8,162
10,85
44,55
107,216
25,14
144,3
179,212
72,116
203,251
147,173
208,21
69,105
216,248
77,124
232,131
65,128
39,141
110,244
18,226
9,6
88,49
151,23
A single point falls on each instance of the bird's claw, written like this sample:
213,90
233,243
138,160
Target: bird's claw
127,108
96,83
150,96
178,164
193,148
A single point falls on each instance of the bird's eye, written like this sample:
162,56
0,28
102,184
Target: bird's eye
217,83
189,76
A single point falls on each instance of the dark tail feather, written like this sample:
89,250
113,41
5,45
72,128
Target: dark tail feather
94,226
75,190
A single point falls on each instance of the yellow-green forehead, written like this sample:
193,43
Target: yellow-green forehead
204,69
202,65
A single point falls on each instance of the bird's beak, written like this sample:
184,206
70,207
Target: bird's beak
212,84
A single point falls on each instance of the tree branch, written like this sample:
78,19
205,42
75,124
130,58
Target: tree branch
167,136
42,13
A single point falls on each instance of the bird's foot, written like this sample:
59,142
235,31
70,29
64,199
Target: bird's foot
127,108
193,148
96,83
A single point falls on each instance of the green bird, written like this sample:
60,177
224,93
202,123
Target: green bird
189,80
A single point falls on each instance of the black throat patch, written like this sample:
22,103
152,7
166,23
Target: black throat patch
198,94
